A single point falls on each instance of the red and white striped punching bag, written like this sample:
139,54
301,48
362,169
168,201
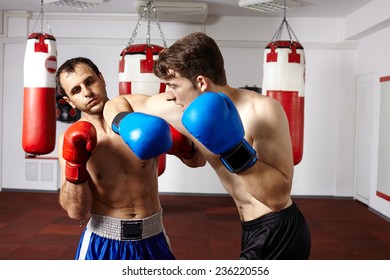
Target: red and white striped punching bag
39,111
284,80
136,77
136,70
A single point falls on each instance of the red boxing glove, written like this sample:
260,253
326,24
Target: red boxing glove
181,145
161,164
79,141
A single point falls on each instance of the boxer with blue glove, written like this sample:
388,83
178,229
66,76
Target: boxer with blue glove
221,131
201,105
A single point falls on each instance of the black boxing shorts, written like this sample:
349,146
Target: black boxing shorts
280,235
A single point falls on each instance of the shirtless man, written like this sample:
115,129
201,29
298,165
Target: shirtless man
243,135
103,180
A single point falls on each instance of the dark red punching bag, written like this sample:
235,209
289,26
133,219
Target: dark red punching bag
284,80
39,111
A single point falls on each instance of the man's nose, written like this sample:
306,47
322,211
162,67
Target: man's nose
86,90
170,96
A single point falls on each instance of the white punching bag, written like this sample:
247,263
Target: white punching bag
39,111
136,70
284,80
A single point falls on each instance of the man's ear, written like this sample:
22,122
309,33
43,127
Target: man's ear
69,101
102,78
202,83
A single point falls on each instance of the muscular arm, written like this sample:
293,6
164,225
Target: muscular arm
75,199
270,179
156,105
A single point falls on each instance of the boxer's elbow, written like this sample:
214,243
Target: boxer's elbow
78,216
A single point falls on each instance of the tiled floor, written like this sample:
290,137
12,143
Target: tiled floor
33,226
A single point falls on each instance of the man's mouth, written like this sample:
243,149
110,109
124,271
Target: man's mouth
91,102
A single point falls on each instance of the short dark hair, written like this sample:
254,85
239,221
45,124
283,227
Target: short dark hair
195,54
69,67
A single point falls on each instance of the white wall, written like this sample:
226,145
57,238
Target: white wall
328,158
371,25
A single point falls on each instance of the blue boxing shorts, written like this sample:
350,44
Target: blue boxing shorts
107,238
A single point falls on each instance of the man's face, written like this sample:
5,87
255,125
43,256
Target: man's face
181,90
85,90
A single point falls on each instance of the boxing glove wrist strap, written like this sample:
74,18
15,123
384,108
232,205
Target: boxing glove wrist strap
117,120
76,173
240,158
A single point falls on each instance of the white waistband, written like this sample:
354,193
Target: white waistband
126,229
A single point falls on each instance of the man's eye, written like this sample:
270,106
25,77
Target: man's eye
76,90
89,82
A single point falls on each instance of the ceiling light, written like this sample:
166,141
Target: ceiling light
272,5
77,4
177,11
261,5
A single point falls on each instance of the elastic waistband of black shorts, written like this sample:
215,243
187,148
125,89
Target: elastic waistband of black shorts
270,217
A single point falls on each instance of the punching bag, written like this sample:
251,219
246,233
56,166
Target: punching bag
136,70
136,77
284,80
39,111
65,112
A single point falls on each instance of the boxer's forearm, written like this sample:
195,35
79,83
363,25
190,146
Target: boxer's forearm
115,106
75,200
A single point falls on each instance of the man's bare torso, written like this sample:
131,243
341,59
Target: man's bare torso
122,185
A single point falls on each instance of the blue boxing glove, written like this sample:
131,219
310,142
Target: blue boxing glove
147,136
213,119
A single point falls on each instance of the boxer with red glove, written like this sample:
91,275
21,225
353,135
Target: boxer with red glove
79,141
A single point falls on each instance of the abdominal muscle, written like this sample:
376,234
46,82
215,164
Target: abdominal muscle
249,208
143,208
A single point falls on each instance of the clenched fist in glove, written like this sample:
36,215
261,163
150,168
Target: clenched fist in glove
213,119
79,141
146,135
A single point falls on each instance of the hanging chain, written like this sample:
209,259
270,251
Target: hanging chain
277,36
148,29
41,14
289,29
149,8
139,23
42,17
157,20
